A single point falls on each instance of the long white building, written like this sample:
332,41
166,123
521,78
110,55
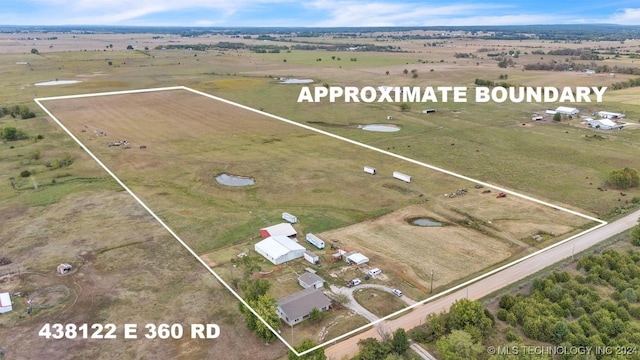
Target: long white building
279,249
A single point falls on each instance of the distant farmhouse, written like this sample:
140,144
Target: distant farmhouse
296,307
279,249
565,110
610,115
604,124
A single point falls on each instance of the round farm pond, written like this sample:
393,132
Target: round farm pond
57,82
235,180
295,81
425,222
381,127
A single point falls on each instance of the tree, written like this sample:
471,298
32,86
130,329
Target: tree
25,173
465,314
404,107
635,235
9,133
557,117
266,308
624,178
315,315
307,344
400,342
129,47
253,289
459,345
34,51
372,349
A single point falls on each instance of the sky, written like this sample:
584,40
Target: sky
315,13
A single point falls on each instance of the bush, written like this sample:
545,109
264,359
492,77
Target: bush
623,178
502,314
25,173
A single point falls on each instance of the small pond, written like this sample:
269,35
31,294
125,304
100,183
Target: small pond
381,127
425,222
234,180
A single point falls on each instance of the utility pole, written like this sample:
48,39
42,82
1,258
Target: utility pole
431,291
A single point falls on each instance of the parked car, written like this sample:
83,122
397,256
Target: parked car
356,282
397,292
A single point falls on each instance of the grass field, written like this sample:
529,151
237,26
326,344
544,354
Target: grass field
189,139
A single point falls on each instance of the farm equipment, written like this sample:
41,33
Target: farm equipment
501,195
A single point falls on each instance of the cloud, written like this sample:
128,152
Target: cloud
628,16
120,12
357,13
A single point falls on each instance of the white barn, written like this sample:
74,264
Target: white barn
565,110
5,303
279,249
356,258
604,124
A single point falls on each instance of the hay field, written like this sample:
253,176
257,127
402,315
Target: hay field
188,139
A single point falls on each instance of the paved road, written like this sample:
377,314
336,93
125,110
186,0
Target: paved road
488,285
355,306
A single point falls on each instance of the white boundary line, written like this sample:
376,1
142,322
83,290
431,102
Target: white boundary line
448,291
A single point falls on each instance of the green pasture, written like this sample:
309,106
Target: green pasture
497,143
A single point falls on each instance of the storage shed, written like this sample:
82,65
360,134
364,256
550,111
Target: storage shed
311,257
309,280
279,249
5,303
356,258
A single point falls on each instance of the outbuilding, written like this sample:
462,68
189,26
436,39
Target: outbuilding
356,258
296,307
565,110
309,280
282,229
610,115
604,124
5,303
279,249
311,257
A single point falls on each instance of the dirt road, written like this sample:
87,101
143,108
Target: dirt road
489,284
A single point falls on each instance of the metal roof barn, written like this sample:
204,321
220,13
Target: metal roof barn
282,229
279,249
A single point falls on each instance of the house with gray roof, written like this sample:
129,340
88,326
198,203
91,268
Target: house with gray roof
296,307
309,280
